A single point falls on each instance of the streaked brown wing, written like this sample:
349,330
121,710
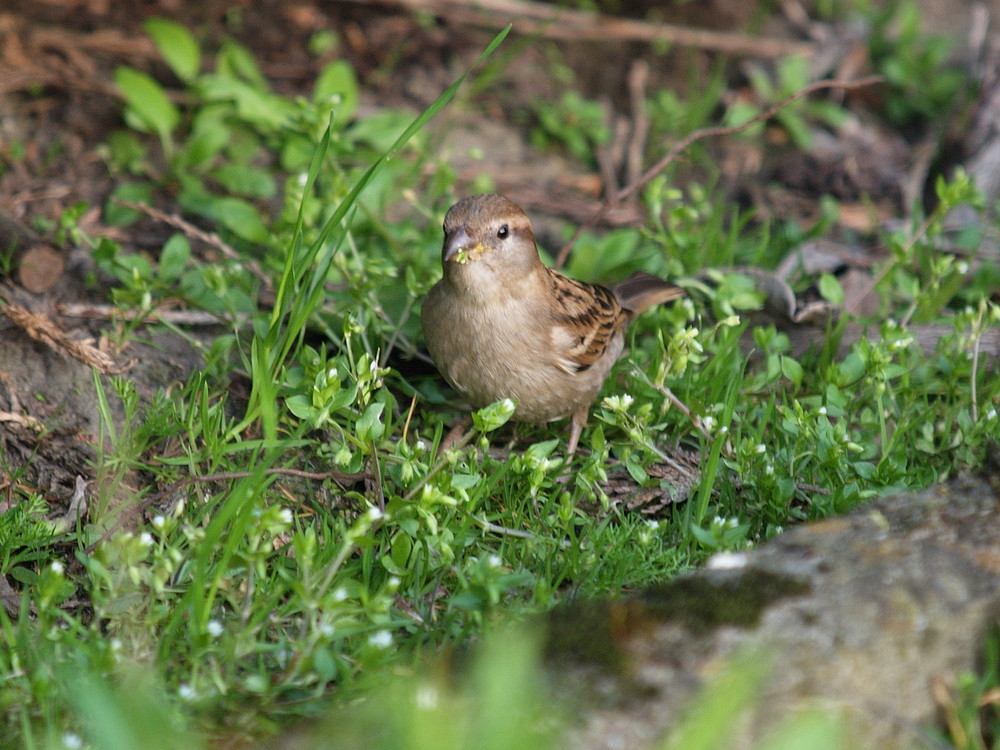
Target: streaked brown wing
586,318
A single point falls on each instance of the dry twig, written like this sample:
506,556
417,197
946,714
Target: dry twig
110,312
40,328
564,23
209,238
698,135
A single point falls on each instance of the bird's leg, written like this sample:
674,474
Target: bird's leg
576,423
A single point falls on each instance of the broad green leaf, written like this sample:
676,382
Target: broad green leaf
635,470
178,47
380,129
494,416
402,547
174,257
338,85
300,406
370,426
830,289
127,152
236,62
792,370
253,105
704,536
205,142
464,481
148,108
241,218
242,179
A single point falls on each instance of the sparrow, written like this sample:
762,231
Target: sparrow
501,324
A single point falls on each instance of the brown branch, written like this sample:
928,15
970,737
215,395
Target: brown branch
638,77
190,230
110,312
40,328
564,23
698,135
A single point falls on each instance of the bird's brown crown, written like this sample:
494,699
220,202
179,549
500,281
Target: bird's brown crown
488,223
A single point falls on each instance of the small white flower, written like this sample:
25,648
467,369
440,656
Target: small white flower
374,514
420,446
614,403
57,567
427,697
116,644
285,515
327,629
708,423
991,414
769,469
380,639
146,539
72,740
340,594
653,525
185,692
962,267
158,522
727,561
331,372
494,561
214,628
724,430
822,411
393,582
627,400
302,178
760,448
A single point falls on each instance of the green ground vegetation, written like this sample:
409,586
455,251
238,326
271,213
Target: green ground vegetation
253,595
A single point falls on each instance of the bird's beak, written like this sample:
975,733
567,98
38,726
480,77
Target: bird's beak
455,242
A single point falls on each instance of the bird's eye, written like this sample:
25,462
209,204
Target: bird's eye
503,231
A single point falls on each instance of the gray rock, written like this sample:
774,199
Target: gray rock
855,617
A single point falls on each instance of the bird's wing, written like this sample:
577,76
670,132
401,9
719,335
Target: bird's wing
585,319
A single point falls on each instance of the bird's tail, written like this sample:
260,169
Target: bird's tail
643,290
